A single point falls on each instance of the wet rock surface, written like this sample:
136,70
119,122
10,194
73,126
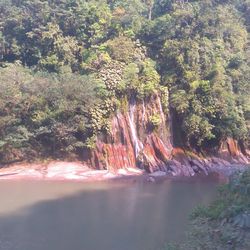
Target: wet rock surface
133,143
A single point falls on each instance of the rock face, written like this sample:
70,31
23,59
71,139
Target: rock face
134,143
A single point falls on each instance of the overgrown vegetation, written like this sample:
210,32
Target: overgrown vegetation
45,113
225,223
203,57
66,66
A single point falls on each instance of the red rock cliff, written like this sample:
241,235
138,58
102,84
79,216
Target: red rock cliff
133,143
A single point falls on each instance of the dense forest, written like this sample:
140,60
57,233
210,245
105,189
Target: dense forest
67,65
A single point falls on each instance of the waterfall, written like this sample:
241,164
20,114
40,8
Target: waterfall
166,134
138,146
143,111
161,111
170,118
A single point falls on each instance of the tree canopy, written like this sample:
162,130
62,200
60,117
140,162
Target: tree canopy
66,66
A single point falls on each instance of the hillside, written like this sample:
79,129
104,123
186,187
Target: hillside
138,83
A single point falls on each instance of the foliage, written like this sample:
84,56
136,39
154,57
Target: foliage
155,121
67,65
201,48
121,49
45,113
225,223
140,78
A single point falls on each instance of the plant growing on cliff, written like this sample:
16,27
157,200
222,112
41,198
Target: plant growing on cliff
149,79
154,121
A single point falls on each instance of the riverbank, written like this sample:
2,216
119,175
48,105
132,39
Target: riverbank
61,170
225,223
78,171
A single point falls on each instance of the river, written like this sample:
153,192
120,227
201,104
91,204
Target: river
114,215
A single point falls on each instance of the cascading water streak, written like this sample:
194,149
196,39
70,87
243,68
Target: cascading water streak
143,111
137,144
161,110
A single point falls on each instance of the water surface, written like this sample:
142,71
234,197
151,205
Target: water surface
93,216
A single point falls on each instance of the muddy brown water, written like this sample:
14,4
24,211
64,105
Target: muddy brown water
118,215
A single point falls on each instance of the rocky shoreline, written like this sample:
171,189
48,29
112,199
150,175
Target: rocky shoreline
78,171
60,170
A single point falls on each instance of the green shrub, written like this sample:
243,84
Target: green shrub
155,121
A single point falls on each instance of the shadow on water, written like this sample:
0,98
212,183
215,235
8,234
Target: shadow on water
139,216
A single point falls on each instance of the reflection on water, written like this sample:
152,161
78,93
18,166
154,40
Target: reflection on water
106,216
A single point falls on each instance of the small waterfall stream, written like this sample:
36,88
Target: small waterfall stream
161,110
143,112
170,118
137,144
